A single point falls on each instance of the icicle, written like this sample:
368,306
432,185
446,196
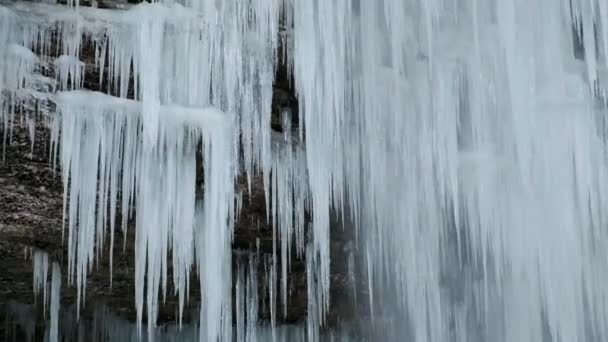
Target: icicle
41,268
69,72
252,300
322,91
312,317
289,193
213,243
159,227
239,304
271,276
152,21
105,325
55,303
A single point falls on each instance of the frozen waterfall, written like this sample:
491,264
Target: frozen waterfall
462,144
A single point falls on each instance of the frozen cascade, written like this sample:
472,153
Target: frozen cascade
103,132
470,141
466,140
143,151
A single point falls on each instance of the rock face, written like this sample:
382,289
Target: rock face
31,210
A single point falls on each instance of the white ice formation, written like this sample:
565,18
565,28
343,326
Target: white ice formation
55,303
40,265
26,319
464,140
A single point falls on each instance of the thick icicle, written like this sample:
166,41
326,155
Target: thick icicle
55,303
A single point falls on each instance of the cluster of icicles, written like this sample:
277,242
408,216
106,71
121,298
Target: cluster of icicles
103,325
464,140
41,265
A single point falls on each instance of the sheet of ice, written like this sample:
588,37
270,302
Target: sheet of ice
472,149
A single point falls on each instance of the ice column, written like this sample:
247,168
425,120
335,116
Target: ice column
55,303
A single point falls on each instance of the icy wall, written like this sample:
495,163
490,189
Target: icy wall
465,141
